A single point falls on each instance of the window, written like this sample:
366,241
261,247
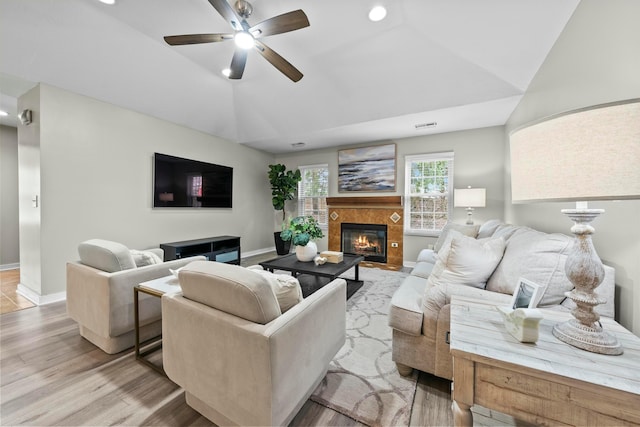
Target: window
313,190
428,192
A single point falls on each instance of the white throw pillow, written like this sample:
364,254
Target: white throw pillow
467,230
287,288
142,258
466,261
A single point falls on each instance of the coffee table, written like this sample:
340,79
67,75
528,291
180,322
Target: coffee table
312,277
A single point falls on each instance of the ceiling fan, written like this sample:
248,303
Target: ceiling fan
247,37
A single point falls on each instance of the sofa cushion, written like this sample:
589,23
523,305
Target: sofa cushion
466,261
423,269
106,255
488,228
143,258
230,288
467,230
505,231
405,310
286,287
428,255
536,256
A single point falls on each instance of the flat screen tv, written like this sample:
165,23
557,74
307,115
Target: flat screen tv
184,183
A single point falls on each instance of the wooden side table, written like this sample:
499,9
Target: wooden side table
157,288
545,383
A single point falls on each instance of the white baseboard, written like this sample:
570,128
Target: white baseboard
257,252
40,299
13,266
409,264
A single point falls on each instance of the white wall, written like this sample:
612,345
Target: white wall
479,157
96,163
9,236
595,60
28,189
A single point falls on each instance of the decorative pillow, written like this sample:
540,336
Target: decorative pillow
142,258
536,256
467,230
466,261
287,288
488,228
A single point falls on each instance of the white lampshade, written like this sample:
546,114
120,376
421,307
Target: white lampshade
469,197
587,154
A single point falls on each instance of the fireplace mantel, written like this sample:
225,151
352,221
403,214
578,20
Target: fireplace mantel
365,202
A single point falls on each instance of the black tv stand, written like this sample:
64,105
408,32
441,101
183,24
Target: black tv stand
220,248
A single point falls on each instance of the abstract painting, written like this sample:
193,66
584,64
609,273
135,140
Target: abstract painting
367,168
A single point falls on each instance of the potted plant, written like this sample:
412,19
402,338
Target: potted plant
284,184
302,230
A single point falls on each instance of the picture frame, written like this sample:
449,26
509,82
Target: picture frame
367,169
527,294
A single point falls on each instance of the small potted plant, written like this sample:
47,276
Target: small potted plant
284,184
302,230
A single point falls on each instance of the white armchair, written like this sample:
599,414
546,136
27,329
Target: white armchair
240,361
100,292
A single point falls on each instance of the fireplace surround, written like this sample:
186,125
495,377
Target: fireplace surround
384,211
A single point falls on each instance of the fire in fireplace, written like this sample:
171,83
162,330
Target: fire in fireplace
368,240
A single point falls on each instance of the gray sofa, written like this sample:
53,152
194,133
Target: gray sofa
419,311
100,292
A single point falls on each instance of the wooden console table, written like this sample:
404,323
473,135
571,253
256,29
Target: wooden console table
545,383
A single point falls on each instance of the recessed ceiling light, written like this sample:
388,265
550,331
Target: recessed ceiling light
3,113
108,1
244,40
226,72
377,13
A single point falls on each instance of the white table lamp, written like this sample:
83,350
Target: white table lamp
583,155
469,198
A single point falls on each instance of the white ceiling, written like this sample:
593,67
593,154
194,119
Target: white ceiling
461,63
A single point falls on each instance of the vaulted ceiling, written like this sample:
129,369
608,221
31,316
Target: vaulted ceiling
460,63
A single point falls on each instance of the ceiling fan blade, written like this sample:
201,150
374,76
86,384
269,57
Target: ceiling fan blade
237,63
228,13
196,38
278,61
284,23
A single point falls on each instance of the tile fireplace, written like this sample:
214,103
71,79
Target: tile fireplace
374,228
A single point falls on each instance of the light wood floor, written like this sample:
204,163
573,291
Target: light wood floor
49,375
9,298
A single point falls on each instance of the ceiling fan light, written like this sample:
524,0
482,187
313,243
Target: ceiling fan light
108,1
377,13
244,40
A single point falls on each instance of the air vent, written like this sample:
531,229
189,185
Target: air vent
426,125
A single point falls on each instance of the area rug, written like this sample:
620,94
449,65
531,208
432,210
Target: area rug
363,382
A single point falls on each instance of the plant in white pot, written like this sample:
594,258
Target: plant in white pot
284,184
302,230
